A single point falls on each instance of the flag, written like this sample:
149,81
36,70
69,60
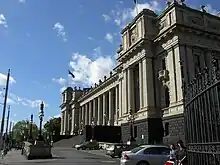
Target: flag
71,74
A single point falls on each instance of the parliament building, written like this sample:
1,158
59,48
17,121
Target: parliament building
158,54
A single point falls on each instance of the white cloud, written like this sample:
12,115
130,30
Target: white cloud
14,99
30,103
57,116
109,37
121,16
3,79
21,1
3,21
87,71
106,17
62,89
59,28
60,81
91,38
97,51
210,10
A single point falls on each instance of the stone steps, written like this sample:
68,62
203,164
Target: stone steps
69,142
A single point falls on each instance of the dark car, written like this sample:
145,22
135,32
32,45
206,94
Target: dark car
88,145
115,150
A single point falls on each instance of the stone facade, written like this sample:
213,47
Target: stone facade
157,55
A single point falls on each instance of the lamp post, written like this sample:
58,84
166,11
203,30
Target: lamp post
81,128
93,126
41,115
131,119
27,130
31,125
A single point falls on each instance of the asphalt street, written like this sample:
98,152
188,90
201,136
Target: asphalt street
62,156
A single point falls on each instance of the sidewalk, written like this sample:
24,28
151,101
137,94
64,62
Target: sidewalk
13,156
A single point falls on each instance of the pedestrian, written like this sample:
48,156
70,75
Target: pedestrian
181,156
172,152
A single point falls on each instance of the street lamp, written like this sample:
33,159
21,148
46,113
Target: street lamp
31,125
131,119
41,115
93,126
81,128
75,129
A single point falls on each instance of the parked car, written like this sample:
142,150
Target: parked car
116,150
145,155
88,145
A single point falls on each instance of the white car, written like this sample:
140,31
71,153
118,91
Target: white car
146,155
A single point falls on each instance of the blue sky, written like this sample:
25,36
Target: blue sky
41,39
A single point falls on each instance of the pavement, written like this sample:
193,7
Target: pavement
62,156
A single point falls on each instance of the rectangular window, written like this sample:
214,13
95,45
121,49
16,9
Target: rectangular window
166,129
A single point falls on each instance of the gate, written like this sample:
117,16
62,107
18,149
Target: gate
202,117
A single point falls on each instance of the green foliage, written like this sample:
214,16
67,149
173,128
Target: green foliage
52,128
21,130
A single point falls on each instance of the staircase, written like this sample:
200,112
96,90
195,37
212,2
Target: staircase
70,142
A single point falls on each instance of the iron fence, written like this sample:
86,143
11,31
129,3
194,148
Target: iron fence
202,116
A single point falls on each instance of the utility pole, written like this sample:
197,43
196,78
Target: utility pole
10,127
6,132
4,109
8,120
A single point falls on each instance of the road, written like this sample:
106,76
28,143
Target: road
63,156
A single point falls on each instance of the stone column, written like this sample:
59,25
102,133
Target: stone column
111,121
62,122
116,104
100,114
73,119
148,86
94,110
87,115
141,83
83,114
120,97
104,109
65,122
80,116
90,113
124,93
68,122
130,90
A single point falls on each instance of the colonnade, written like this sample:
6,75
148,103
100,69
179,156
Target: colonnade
110,106
101,110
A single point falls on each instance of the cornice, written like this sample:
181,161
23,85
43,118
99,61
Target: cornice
139,44
143,12
99,87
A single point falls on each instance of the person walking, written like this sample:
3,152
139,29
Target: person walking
181,156
172,152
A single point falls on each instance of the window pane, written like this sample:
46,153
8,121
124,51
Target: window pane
135,150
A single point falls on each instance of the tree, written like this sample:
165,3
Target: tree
52,128
21,130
